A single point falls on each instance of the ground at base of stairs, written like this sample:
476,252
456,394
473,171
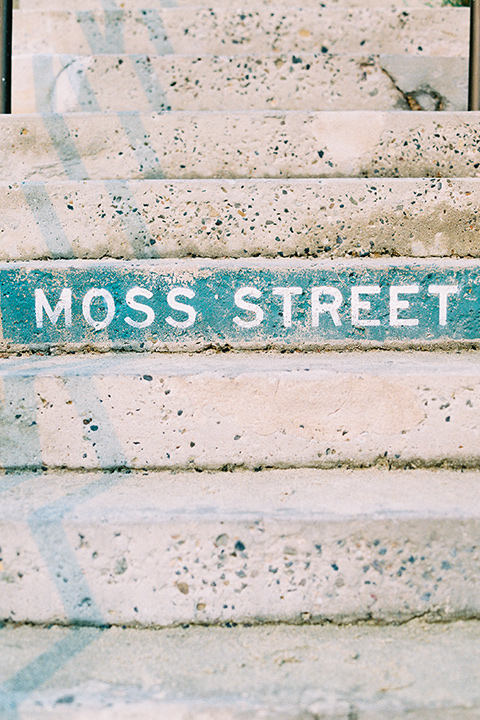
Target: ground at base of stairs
417,671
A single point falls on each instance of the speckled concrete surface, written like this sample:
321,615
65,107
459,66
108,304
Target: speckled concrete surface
250,410
163,549
240,218
418,671
67,83
260,29
256,144
99,5
177,520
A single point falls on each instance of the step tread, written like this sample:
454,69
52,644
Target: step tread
420,31
273,673
309,496
255,144
68,83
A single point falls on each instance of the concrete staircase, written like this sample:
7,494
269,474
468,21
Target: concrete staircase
240,390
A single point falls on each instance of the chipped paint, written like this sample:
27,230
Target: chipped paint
240,303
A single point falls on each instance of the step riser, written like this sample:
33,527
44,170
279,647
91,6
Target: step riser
289,571
248,410
222,218
195,305
242,145
72,83
223,32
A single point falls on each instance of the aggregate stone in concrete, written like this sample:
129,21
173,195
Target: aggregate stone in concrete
260,29
417,671
255,144
72,83
160,549
248,410
101,5
239,218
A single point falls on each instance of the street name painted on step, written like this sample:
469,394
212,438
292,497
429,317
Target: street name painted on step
148,304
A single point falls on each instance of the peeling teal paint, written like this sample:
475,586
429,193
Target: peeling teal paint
128,304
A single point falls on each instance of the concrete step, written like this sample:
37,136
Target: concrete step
260,29
72,83
417,671
196,305
160,549
188,145
247,410
239,218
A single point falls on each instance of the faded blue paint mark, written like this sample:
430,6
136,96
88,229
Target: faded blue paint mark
18,416
47,220
15,691
14,479
77,598
45,82
152,87
65,147
158,35
103,438
148,163
77,76
113,40
130,218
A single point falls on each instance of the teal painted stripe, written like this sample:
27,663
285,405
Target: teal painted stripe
239,302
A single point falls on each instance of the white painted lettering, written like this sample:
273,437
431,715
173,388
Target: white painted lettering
319,308
396,305
64,305
189,311
364,305
139,307
443,291
243,304
287,293
107,297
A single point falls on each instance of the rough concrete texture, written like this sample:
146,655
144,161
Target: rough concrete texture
260,29
419,672
428,83
72,83
239,218
255,144
101,5
158,549
249,410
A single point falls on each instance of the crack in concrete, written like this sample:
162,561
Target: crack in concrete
411,100
381,462
430,617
